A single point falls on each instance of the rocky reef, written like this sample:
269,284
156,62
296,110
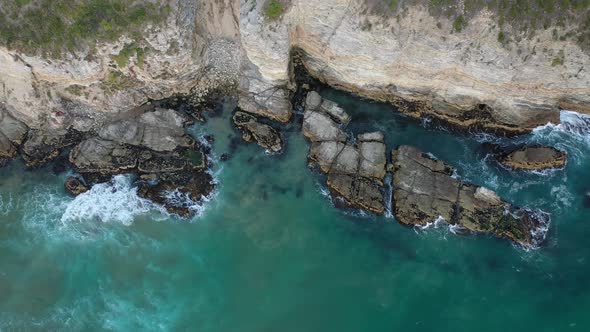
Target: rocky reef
153,144
253,130
355,172
533,158
424,190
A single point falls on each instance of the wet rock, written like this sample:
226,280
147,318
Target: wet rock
372,152
424,190
42,147
179,192
357,192
253,130
355,171
12,134
97,155
225,157
534,158
75,186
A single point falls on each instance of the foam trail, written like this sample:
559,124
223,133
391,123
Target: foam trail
116,200
388,197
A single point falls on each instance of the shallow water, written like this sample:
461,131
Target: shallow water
270,252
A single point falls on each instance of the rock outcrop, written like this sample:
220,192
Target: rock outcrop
12,134
468,78
253,130
424,190
75,186
533,158
355,171
153,143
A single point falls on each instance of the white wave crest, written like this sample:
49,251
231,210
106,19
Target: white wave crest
114,201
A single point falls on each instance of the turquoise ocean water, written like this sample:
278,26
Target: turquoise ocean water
269,251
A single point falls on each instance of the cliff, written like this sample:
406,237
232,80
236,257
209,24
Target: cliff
467,77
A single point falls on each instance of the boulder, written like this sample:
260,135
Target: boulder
75,186
319,127
424,190
534,158
334,111
178,192
253,130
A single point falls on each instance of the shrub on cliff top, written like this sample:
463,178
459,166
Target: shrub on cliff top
514,17
274,9
50,27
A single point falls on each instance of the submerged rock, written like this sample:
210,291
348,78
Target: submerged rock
253,130
75,186
534,158
424,190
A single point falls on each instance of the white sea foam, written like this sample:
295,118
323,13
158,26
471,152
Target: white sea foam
114,201
439,224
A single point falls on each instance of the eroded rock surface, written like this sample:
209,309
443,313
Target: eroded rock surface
355,171
253,130
534,158
12,134
424,190
153,144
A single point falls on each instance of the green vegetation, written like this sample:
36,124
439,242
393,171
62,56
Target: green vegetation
459,24
128,51
50,27
76,89
517,19
116,81
274,9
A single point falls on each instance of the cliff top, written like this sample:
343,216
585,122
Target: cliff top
50,27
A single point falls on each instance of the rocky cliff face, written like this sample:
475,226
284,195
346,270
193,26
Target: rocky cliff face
193,49
466,78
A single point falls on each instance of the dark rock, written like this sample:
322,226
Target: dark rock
357,192
225,157
253,130
75,186
43,147
96,155
424,190
178,192
12,134
534,158
355,172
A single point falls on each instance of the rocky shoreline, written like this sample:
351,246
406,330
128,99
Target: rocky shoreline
149,141
424,189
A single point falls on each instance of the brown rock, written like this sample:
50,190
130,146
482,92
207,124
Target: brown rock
424,191
534,158
75,186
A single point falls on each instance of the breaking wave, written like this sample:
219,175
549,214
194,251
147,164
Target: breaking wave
113,201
